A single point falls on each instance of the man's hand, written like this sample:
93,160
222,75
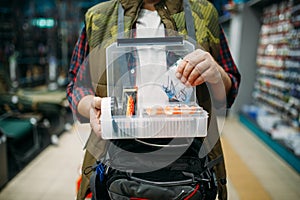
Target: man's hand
199,67
95,112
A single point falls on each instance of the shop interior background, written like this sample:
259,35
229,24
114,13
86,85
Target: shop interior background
37,39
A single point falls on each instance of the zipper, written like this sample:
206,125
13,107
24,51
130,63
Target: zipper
166,183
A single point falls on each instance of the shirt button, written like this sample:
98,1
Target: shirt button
132,71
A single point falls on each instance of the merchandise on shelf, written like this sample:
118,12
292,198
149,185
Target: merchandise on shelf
277,87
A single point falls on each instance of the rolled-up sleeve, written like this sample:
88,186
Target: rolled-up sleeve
226,61
79,84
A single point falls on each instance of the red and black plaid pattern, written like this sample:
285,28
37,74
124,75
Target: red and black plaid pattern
226,61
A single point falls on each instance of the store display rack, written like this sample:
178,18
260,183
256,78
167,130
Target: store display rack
276,145
260,4
278,79
275,115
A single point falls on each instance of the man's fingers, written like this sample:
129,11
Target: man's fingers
198,81
195,57
98,113
187,66
180,68
97,102
95,122
187,71
197,71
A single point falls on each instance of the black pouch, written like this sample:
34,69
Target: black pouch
126,189
127,186
129,189
187,178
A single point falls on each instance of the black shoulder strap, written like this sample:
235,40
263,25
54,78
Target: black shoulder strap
189,21
120,21
122,59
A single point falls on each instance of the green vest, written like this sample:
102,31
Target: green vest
102,30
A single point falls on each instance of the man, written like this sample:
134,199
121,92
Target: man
213,65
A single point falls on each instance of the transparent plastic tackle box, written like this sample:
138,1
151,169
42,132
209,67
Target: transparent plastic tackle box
145,98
